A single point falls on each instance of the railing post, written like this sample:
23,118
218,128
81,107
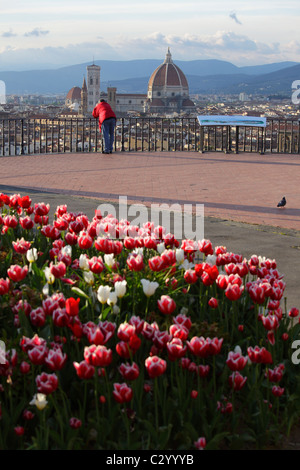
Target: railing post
237,131
22,138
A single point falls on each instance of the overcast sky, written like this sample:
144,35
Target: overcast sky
52,33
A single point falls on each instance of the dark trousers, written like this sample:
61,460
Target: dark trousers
108,130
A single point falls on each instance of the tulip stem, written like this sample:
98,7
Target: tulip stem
156,402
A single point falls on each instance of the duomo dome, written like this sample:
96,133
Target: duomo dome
168,89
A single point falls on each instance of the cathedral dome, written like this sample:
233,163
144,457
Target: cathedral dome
167,80
74,95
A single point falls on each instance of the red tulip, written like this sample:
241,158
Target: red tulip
58,270
71,238
276,374
61,224
176,349
98,356
21,246
75,423
122,393
28,415
277,391
155,366
51,232
213,303
41,219
259,355
37,354
209,275
56,359
270,322
41,208
19,430
190,276
96,264
84,370
37,317
294,312
168,257
17,273
26,223
135,262
10,221
24,367
235,361
156,264
205,246
234,291
166,305
60,317
4,286
72,306
85,241
237,381
46,383
129,371
200,444
24,201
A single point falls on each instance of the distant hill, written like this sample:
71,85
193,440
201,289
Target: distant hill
204,76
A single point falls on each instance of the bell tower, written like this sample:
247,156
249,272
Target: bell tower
93,86
83,107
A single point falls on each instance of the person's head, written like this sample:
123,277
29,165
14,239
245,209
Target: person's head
102,101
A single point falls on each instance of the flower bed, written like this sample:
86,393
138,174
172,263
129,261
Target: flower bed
138,342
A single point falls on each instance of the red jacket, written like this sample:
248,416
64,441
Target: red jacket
103,111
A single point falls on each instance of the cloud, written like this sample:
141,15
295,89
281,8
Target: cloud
189,45
234,18
223,45
18,59
8,34
36,32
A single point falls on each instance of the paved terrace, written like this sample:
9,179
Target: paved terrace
239,193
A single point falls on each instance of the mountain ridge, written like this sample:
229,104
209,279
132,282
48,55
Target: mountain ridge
204,76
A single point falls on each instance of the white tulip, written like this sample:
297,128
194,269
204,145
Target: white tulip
39,400
89,277
109,260
84,262
161,248
49,276
120,288
112,298
149,287
66,250
32,255
211,260
103,294
179,255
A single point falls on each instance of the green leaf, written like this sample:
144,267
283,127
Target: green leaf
80,292
25,324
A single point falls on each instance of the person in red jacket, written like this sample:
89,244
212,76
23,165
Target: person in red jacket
107,123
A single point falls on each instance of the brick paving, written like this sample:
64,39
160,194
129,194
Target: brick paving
244,187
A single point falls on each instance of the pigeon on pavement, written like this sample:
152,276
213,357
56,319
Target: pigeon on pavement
282,203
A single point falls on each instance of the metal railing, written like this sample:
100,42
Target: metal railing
39,136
